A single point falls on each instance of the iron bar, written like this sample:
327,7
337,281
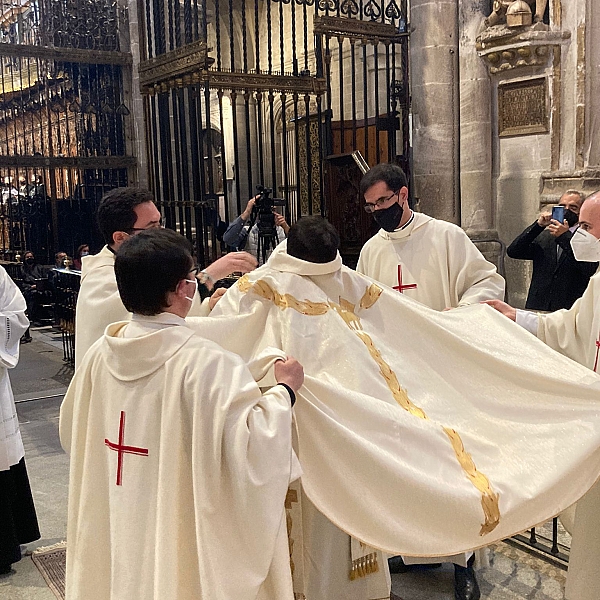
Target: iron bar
376,85
259,118
297,156
341,93
223,156
286,180
353,61
308,156
248,141
236,149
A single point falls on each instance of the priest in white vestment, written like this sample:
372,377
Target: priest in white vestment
18,521
124,212
410,420
179,466
576,333
428,260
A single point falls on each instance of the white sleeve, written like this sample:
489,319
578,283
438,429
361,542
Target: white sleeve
528,320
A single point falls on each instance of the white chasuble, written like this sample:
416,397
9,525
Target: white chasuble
433,262
576,333
179,471
13,324
420,432
99,303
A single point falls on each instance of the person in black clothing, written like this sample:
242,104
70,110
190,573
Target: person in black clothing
31,286
558,279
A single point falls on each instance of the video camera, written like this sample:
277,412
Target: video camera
264,206
263,215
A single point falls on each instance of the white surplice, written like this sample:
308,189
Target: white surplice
576,333
13,324
99,303
419,432
439,265
179,471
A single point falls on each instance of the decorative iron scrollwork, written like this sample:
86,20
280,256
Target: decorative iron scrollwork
372,10
392,11
330,5
349,7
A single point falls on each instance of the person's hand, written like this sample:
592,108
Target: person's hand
290,372
217,295
544,219
248,210
506,309
234,262
281,222
556,229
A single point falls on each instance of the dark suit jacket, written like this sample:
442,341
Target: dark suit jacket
556,282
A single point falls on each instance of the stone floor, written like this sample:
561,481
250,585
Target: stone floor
40,380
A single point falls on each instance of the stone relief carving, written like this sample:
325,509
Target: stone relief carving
501,14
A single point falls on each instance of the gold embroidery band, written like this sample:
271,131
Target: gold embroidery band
345,309
371,296
489,499
264,290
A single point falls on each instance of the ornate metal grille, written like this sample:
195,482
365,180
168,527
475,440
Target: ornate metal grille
63,120
283,84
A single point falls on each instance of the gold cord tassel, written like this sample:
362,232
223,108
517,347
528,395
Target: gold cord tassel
363,566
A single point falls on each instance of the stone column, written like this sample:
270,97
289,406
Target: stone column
475,124
436,107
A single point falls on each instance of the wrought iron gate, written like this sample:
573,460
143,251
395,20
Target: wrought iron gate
65,70
247,92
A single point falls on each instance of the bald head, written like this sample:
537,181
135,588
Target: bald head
589,217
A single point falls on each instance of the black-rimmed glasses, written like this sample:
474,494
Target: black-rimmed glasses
370,207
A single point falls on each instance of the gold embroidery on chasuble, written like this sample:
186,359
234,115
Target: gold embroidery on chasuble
346,310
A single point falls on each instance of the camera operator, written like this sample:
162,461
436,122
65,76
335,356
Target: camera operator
243,233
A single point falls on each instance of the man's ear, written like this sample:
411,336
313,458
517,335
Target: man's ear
119,237
403,193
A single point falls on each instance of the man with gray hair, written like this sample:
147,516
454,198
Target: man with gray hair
558,279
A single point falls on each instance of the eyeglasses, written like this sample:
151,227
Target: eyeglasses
370,207
158,225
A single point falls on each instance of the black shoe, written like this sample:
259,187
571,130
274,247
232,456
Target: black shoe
26,340
397,565
465,583
5,569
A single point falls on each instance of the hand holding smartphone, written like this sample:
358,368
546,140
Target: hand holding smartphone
558,214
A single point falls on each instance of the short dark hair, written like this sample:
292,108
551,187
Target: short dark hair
313,239
392,175
148,266
116,210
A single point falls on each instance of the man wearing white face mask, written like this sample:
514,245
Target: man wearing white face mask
576,333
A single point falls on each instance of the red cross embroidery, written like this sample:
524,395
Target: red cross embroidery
122,449
597,353
400,287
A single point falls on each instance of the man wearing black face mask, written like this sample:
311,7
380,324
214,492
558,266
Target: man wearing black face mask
429,260
558,279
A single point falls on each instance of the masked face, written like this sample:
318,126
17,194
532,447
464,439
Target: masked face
84,253
586,247
389,218
571,217
29,260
